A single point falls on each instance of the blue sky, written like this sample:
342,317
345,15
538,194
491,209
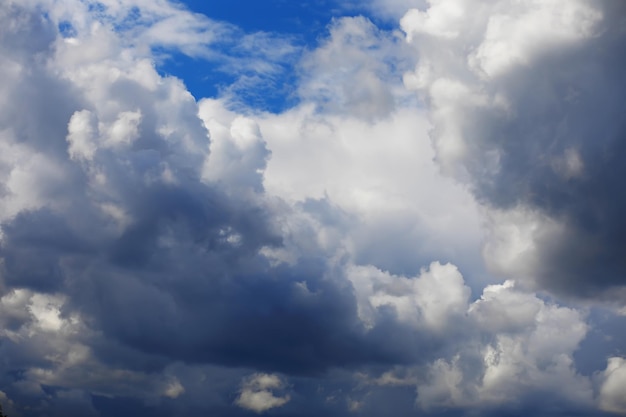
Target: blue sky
303,19
303,24
281,208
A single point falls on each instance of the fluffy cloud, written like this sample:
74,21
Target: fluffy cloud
525,109
238,152
376,193
257,393
104,192
151,243
508,350
434,300
352,71
612,392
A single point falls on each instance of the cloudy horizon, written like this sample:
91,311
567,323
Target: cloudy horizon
337,208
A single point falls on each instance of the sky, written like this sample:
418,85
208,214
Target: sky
314,208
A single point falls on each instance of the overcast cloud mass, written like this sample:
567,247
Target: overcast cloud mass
389,207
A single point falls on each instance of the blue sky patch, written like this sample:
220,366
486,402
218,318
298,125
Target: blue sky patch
301,25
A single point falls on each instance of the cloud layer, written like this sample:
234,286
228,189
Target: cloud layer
433,228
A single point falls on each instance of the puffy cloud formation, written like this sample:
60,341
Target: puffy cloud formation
166,256
612,391
434,300
256,393
526,100
350,72
502,352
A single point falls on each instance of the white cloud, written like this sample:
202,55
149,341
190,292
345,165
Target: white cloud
403,212
124,130
444,387
81,135
27,176
527,352
612,395
434,300
512,247
353,72
501,36
238,153
507,349
441,19
174,389
516,36
511,87
257,393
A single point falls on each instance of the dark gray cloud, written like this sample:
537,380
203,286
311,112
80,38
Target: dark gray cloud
181,275
113,240
541,126
570,102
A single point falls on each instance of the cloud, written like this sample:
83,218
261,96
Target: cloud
509,350
257,393
533,347
524,105
434,300
171,257
351,72
388,212
612,386
238,152
154,243
55,351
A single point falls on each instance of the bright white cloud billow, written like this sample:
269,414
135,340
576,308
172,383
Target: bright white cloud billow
433,226
257,393
612,391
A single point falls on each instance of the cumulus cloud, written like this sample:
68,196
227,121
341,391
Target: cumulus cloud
612,393
506,351
257,393
524,105
166,256
104,193
376,192
155,242
350,73
433,300
238,152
